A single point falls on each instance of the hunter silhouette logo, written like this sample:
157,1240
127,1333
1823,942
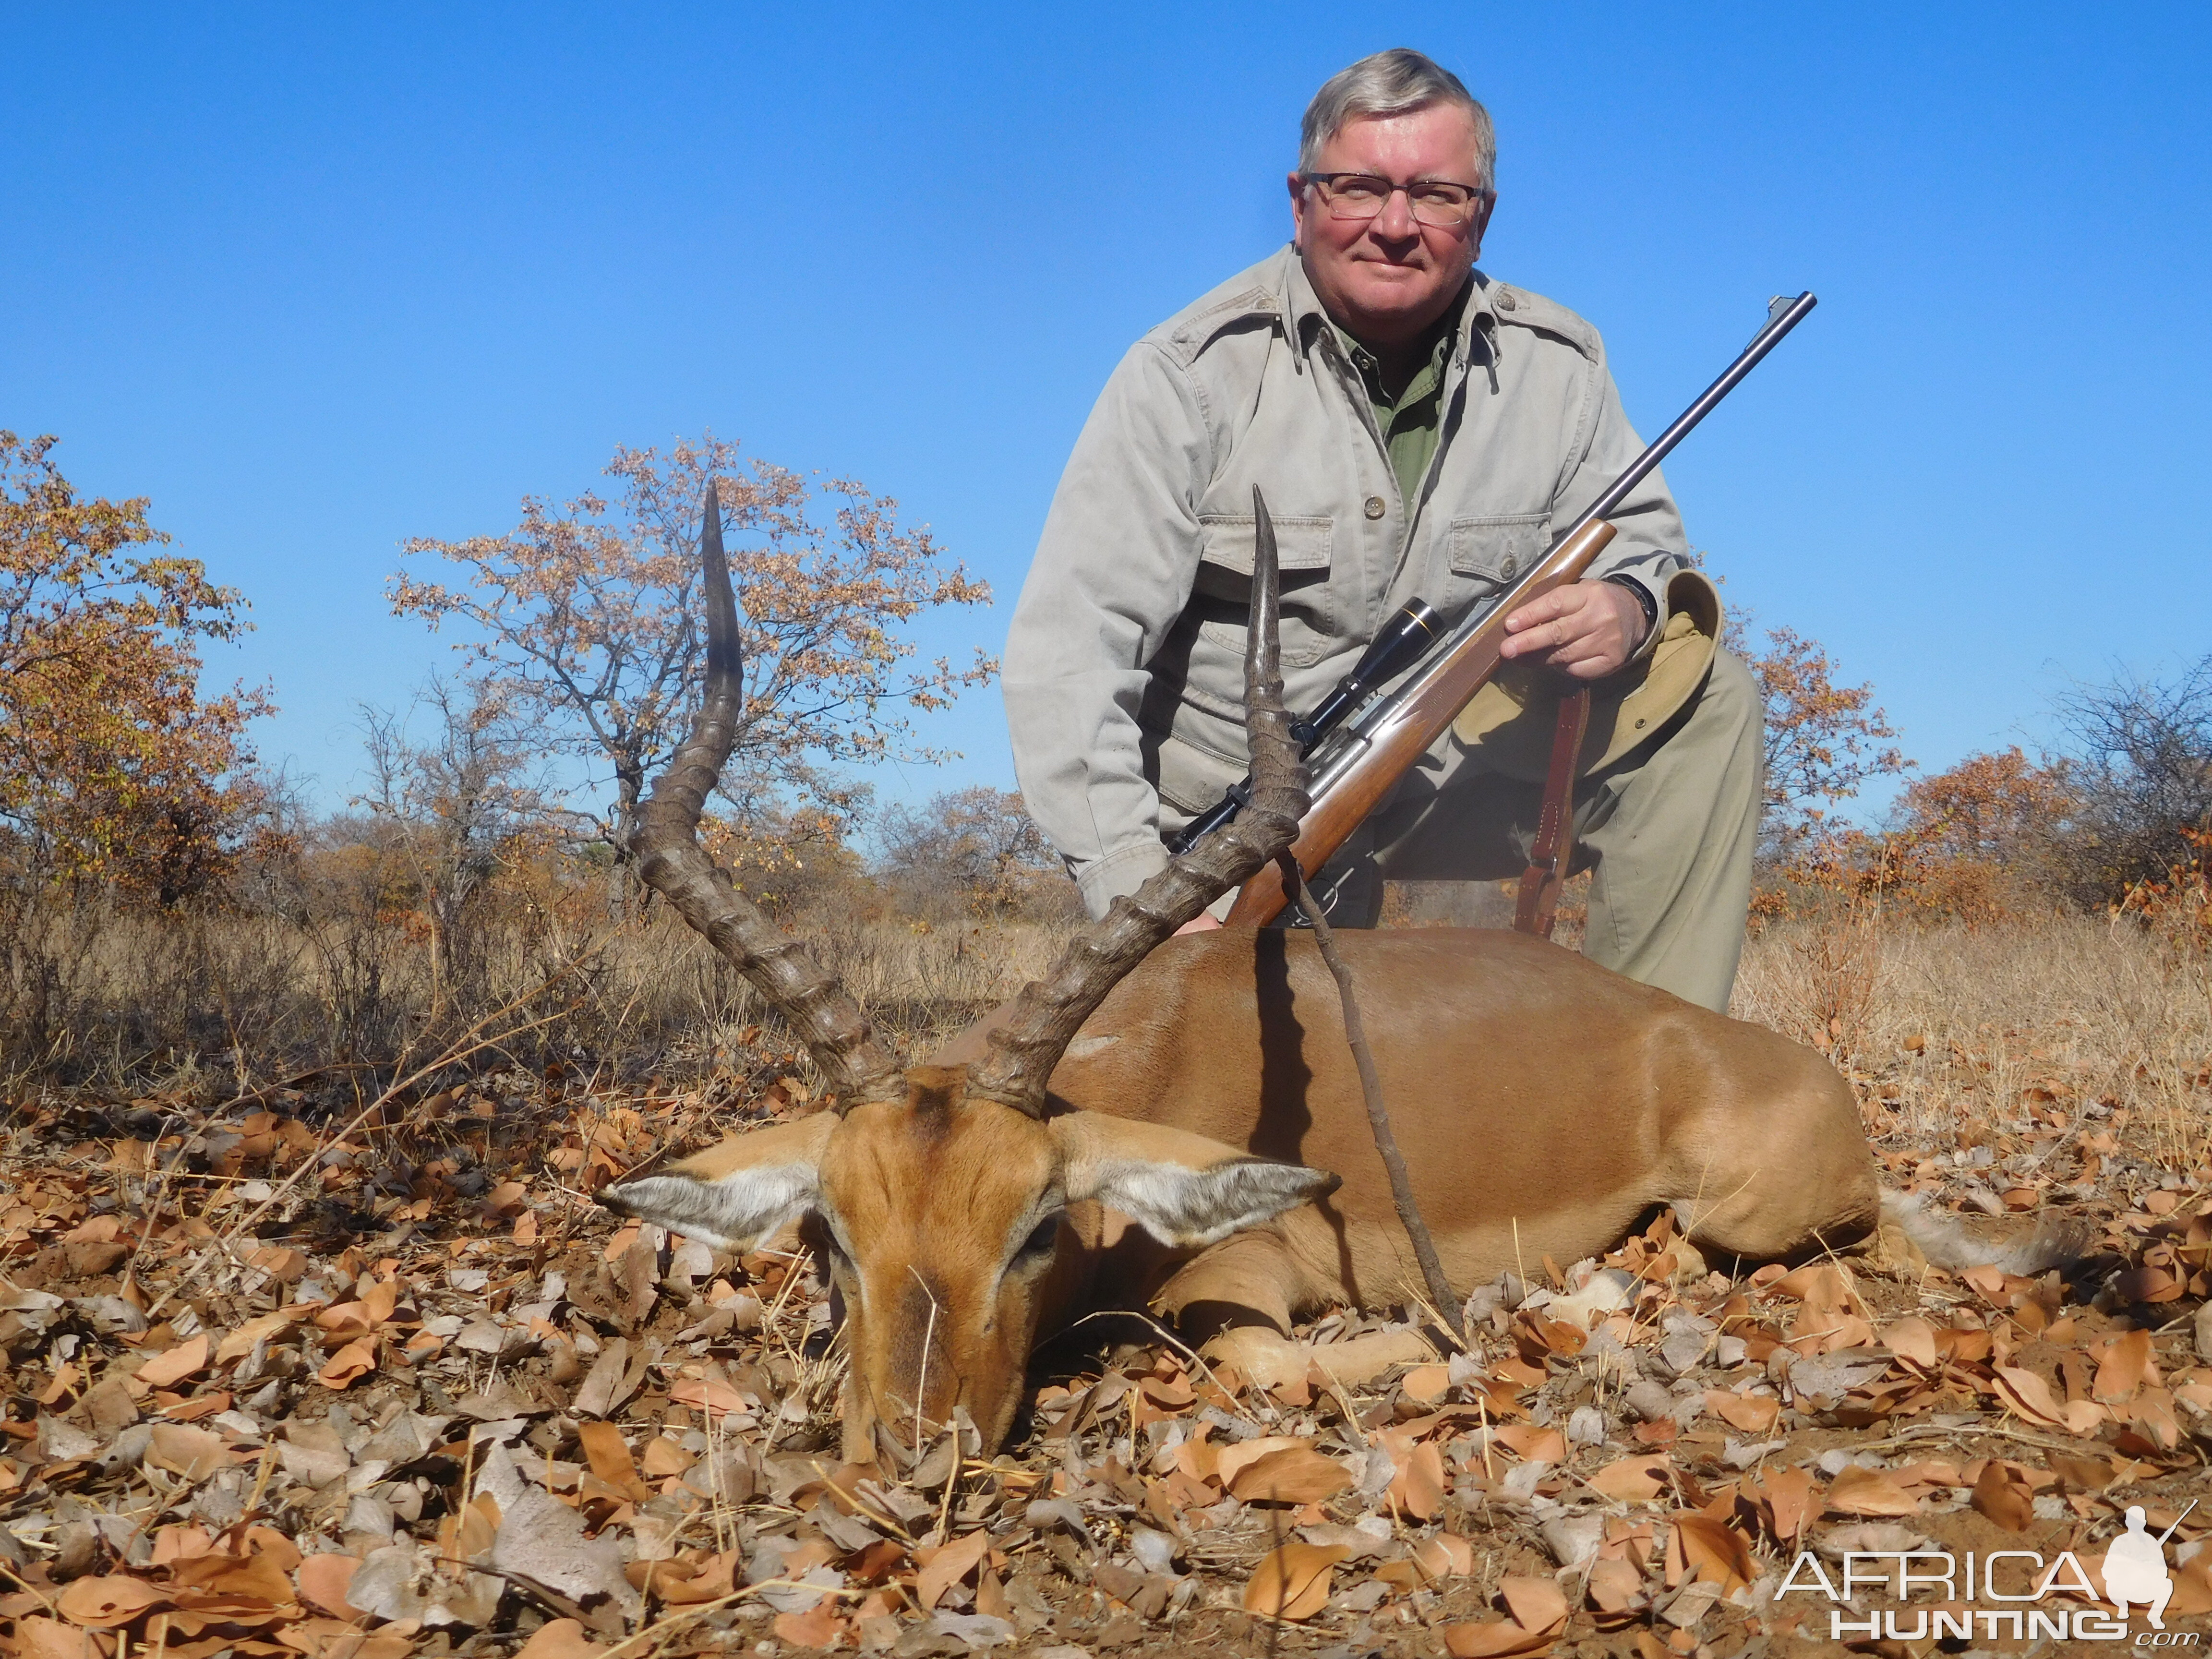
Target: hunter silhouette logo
2135,1568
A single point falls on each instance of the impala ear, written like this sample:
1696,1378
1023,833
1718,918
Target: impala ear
1182,1188
735,1194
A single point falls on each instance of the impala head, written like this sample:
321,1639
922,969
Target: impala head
943,1217
938,1194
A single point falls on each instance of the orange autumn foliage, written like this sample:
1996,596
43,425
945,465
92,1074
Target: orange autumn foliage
585,618
113,768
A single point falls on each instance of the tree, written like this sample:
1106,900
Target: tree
1990,808
974,850
1975,842
588,618
2142,759
112,768
1824,742
453,803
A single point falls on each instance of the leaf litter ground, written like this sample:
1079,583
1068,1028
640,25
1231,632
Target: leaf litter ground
275,1391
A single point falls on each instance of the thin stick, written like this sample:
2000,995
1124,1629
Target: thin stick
921,1382
1378,1114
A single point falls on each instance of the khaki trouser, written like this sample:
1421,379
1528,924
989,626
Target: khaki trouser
1667,832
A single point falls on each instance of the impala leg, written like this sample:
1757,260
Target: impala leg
1236,1302
1766,1185
1248,1279
1233,1302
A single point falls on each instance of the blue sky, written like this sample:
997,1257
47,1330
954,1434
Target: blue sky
319,279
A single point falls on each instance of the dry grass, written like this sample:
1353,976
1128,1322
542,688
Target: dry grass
136,1002
1952,1029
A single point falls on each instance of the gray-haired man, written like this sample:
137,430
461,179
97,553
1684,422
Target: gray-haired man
1417,429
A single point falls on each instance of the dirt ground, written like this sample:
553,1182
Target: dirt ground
288,1376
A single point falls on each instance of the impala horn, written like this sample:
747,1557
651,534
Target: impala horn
1043,1019
673,864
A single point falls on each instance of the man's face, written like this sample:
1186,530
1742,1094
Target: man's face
1387,278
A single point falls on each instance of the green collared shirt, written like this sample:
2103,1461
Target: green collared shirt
1411,422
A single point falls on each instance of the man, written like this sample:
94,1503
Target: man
1418,429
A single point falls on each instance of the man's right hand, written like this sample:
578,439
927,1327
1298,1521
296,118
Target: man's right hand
1203,922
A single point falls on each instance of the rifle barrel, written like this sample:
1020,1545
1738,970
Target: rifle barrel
1781,318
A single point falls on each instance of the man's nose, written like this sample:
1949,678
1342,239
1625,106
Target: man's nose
1396,223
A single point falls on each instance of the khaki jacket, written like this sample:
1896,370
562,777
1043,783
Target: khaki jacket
1124,671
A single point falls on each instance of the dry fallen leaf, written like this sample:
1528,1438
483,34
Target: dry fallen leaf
1789,1494
1634,1480
1913,1339
2127,1365
1446,1555
1753,1414
349,1364
1716,1552
323,1580
166,1370
1426,1384
38,1637
1418,1488
2029,1395
106,1602
608,1453
1292,1582
194,1454
1232,1459
1539,1610
542,1539
1537,1604
2003,1500
241,1342
1291,1475
950,1564
1530,1443
1870,1492
819,1628
559,1638
1615,1586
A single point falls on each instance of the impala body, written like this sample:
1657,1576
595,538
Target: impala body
1543,1104
1177,1121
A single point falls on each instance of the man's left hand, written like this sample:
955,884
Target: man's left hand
1587,629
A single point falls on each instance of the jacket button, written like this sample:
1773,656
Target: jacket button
1505,301
1510,566
1375,508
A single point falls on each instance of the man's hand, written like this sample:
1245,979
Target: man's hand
1203,922
1587,629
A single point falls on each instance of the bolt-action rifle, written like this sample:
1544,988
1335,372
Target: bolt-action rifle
1361,740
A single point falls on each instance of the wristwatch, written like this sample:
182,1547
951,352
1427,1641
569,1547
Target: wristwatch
1643,597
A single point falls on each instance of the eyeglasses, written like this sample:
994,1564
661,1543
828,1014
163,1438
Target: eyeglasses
1363,196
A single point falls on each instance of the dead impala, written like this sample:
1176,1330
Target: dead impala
1177,1123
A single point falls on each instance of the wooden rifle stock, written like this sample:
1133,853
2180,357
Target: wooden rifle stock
1415,719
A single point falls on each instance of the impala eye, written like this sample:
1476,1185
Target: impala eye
1041,1239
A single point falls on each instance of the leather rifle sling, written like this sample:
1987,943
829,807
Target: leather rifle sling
1555,848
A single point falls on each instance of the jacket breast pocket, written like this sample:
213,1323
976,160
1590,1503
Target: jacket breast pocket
1488,554
1222,594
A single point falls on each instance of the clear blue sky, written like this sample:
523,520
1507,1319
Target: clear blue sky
316,279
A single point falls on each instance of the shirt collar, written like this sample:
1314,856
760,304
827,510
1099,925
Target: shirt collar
1305,316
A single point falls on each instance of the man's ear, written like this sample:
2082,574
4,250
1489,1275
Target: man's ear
1182,1188
736,1193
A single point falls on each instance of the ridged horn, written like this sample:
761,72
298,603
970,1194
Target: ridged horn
673,864
1043,1019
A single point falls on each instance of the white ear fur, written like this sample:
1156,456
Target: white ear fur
736,1193
1182,1188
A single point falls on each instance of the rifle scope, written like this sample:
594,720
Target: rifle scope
1396,648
